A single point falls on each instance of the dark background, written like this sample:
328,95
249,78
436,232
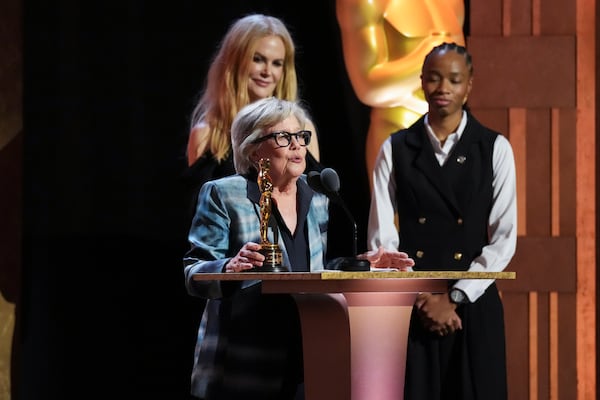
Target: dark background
108,90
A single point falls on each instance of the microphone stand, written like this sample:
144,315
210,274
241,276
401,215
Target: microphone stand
349,263
328,182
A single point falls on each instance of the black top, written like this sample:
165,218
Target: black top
204,169
296,243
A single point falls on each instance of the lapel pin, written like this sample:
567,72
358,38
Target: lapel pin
461,159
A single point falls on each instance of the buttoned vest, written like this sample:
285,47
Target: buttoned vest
443,210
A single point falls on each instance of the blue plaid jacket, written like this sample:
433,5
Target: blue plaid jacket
231,352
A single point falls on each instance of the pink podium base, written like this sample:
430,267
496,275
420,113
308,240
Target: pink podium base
354,325
354,344
379,330
355,339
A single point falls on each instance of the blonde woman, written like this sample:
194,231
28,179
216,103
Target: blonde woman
254,60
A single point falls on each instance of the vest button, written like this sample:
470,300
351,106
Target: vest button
459,221
422,220
420,254
457,256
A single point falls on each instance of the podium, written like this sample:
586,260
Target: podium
354,325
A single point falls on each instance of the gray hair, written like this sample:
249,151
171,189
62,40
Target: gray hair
253,120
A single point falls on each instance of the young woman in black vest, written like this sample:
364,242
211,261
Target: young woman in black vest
444,191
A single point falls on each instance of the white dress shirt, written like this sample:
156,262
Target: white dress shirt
502,220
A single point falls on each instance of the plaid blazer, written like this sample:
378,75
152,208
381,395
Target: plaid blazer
232,355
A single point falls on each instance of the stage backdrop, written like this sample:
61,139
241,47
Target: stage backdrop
108,89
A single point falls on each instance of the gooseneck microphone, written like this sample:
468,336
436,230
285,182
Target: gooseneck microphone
328,182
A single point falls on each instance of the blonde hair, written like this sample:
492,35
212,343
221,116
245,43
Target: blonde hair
255,119
226,88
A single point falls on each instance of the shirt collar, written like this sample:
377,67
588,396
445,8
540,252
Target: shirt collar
452,139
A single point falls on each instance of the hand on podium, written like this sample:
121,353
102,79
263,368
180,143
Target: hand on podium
387,259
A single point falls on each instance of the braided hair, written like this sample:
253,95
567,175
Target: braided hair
462,50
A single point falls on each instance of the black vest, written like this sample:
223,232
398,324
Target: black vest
443,210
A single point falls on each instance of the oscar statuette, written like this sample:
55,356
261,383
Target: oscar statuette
272,252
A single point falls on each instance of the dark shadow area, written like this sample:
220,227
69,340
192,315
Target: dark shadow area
108,89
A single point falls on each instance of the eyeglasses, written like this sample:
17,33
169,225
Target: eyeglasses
284,139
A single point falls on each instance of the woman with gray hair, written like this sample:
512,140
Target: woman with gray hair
249,344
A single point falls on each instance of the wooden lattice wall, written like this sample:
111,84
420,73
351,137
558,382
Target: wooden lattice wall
535,79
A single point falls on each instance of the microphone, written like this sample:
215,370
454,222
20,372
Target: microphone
328,182
314,181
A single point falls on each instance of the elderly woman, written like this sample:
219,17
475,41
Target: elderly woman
249,344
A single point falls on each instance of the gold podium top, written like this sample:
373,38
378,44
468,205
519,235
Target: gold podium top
343,275
353,282
418,275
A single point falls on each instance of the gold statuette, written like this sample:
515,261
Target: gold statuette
384,45
272,252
